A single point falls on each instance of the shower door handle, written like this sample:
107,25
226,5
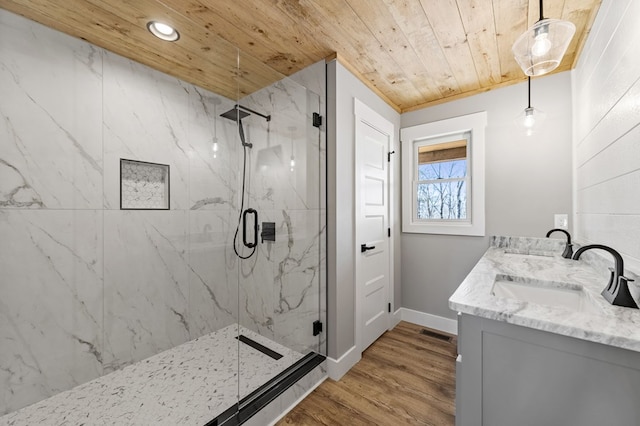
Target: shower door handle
255,228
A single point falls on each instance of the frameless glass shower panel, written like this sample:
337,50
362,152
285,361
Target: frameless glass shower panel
279,298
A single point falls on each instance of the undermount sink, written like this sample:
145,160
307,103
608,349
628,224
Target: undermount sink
551,293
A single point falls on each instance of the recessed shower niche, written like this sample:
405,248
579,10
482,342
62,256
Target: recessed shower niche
143,186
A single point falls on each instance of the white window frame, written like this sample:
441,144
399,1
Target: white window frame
435,133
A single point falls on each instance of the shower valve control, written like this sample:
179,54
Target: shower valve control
268,231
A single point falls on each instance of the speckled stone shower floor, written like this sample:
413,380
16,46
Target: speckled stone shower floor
190,384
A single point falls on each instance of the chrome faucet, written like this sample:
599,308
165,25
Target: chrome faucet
568,249
617,291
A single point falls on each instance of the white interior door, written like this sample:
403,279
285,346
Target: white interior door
373,139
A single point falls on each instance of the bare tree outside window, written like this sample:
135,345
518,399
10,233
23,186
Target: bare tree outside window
442,182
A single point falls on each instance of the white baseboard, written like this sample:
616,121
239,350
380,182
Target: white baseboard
336,368
396,317
428,320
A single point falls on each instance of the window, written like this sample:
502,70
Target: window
443,176
442,181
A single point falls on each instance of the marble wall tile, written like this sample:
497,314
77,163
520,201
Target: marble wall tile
315,80
50,303
50,118
145,119
290,133
213,271
145,284
280,289
214,176
280,285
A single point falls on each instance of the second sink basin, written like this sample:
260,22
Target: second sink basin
564,295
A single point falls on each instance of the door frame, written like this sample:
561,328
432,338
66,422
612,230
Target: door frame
363,113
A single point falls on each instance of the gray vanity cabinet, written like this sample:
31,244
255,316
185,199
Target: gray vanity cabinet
510,375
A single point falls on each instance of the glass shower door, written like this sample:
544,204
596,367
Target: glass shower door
281,231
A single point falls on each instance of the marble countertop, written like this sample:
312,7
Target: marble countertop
539,259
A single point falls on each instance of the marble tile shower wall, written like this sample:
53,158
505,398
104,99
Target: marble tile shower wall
86,288
284,305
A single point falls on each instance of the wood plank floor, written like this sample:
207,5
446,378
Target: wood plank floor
404,378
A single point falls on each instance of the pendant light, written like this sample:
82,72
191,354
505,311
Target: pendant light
292,163
531,117
214,144
540,49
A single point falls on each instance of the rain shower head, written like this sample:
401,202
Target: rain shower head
235,114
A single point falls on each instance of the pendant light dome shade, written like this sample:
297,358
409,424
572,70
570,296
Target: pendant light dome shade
540,49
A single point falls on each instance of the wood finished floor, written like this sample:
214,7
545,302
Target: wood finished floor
404,378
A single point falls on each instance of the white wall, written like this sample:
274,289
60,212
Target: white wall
342,88
528,180
606,99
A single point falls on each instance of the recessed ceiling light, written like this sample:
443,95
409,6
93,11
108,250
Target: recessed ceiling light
163,31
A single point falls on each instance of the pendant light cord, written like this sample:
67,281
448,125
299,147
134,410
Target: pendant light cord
529,93
541,18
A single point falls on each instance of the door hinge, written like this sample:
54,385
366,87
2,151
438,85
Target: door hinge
317,120
389,156
389,232
317,327
389,307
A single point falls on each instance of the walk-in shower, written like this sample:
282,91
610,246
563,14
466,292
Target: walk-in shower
149,278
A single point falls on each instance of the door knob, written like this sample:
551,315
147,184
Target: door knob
364,247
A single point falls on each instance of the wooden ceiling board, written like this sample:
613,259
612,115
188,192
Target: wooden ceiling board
355,72
255,27
412,21
356,45
479,24
444,17
199,44
379,20
113,32
510,20
321,24
412,53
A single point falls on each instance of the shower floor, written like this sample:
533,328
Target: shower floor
190,384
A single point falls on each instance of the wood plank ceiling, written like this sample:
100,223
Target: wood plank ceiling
413,53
